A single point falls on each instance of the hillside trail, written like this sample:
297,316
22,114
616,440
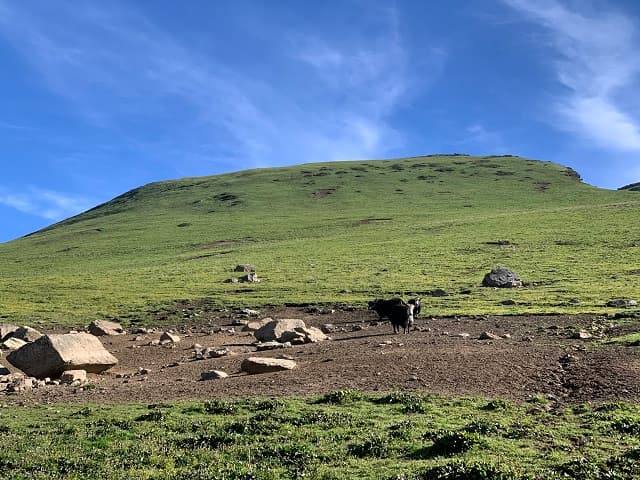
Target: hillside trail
533,356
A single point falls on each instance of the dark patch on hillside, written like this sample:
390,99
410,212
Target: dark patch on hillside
323,192
632,187
228,199
366,221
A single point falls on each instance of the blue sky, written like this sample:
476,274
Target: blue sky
100,97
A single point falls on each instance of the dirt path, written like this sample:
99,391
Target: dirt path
540,357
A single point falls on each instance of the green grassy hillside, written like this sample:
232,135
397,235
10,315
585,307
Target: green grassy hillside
336,233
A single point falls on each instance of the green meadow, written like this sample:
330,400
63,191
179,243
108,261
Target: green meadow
335,233
344,434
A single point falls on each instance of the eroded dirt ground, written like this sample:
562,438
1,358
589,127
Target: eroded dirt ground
540,357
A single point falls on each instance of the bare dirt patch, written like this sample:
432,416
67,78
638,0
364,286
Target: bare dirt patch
540,357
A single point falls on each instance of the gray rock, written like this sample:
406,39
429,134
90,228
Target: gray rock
489,336
213,375
622,303
274,329
105,327
168,337
73,376
255,365
460,335
329,328
51,355
581,335
312,334
272,345
244,268
20,384
254,325
249,278
295,337
438,292
27,334
502,277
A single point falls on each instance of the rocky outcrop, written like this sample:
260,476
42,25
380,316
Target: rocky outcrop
51,355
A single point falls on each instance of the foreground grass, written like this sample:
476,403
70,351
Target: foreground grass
340,435
335,233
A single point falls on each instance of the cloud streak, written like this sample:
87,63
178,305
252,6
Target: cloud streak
116,67
46,204
597,63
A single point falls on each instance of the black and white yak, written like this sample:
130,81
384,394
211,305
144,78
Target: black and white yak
399,313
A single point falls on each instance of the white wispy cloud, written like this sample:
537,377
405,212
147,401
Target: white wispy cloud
44,203
483,140
597,62
116,67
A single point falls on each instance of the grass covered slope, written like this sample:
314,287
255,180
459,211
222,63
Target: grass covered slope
336,232
340,435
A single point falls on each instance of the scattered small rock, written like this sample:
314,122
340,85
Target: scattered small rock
249,278
213,375
272,345
438,292
328,328
489,336
73,376
104,327
581,335
622,303
168,337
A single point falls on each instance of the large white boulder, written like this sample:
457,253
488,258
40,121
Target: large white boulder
51,355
